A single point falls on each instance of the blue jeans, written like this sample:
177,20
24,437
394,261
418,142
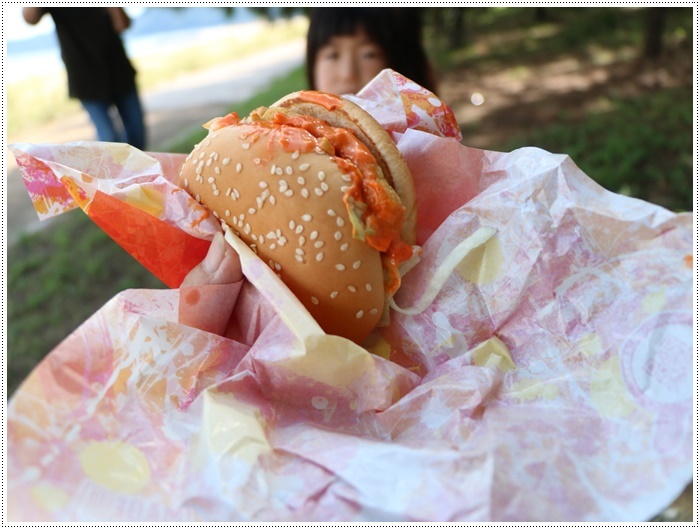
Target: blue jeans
131,129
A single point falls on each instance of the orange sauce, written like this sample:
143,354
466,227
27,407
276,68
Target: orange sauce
327,101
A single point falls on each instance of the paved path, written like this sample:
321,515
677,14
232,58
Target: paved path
171,112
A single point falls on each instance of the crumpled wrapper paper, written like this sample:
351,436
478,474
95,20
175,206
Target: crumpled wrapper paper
549,380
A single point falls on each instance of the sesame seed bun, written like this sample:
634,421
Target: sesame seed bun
280,185
346,114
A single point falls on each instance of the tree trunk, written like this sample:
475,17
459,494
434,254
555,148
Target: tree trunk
457,34
654,35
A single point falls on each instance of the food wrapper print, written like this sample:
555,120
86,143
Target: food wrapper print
549,378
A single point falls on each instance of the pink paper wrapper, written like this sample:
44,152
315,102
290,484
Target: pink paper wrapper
549,380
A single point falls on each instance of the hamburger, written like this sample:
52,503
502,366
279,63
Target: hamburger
320,192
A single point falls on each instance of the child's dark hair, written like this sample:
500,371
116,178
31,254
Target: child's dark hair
396,30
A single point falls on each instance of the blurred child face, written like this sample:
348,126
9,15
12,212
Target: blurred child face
347,63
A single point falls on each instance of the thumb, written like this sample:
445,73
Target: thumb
220,266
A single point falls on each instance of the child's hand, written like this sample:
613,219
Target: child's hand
221,266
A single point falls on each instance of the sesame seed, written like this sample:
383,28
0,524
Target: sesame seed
344,247
254,247
288,193
273,246
216,192
318,244
197,197
278,266
227,161
305,193
259,201
319,256
201,155
271,263
237,193
215,155
340,222
217,170
301,180
279,171
314,235
251,211
344,188
271,235
295,155
324,186
318,191
338,235
279,233
208,164
263,184
239,167
254,237
299,229
352,288
283,185
331,213
373,311
207,143
228,192
340,267
273,168
299,258
334,294
359,314
306,217
273,200
216,214
199,169
356,264
187,183
227,213
256,161
282,241
304,167
299,251
368,287
289,170
245,145
346,178
261,239
302,240
292,224
213,186
314,300
321,176
211,179
246,228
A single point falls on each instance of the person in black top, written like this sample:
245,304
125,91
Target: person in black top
99,71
